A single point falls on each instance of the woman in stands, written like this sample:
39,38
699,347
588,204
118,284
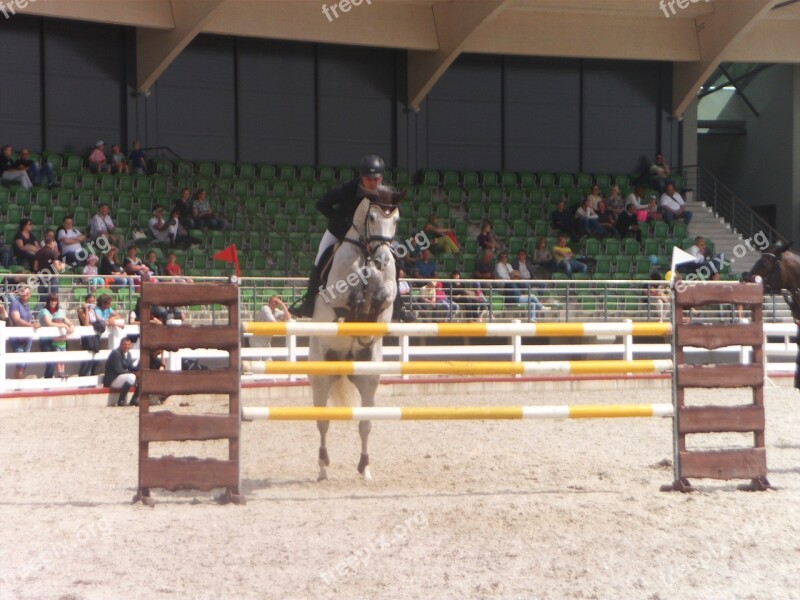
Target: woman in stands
339,205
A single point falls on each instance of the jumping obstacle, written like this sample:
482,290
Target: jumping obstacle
586,367
182,473
458,329
742,463
455,413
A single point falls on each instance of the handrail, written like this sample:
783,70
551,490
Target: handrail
727,205
179,158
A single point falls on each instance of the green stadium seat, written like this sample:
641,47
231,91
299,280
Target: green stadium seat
660,230
346,173
603,181
402,179
527,181
247,171
622,264
546,180
38,215
632,247
430,178
680,230
75,164
489,180
652,247
508,180
266,172
449,180
469,180
611,246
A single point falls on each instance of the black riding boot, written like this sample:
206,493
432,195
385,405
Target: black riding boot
135,399
123,394
306,308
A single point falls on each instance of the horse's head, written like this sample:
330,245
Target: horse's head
767,269
375,219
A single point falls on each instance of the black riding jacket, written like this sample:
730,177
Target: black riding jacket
339,205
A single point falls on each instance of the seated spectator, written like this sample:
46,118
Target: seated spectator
202,214
276,311
184,207
614,203
513,291
636,197
138,159
607,220
432,300
178,235
173,269
469,297
6,257
484,269
133,265
97,159
544,263
521,265
87,316
110,269
46,264
121,371
102,225
25,244
426,266
562,220
673,206
69,241
91,273
487,238
19,315
119,164
105,312
35,170
587,221
11,174
660,172
594,197
702,259
653,214
565,258
441,237
52,315
159,228
152,263
628,223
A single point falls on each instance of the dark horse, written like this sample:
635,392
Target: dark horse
779,272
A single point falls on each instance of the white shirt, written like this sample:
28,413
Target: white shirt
161,236
586,213
100,225
63,234
674,202
404,288
503,271
636,201
695,251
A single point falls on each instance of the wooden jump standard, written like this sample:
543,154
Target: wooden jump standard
182,473
746,463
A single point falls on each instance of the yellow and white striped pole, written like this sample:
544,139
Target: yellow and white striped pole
308,328
582,367
456,413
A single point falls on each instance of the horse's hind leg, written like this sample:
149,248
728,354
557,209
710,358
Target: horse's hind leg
320,387
367,385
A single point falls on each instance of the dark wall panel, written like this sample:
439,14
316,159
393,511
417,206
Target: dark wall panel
356,96
84,69
542,125
620,115
195,101
464,116
276,101
20,72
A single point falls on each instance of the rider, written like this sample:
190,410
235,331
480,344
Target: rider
339,205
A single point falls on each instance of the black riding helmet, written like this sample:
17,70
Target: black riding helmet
372,166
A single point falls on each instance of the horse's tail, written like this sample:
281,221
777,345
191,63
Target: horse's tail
344,393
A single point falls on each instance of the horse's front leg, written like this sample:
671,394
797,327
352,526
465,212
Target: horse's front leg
321,387
367,385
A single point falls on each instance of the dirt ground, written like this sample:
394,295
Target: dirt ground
511,510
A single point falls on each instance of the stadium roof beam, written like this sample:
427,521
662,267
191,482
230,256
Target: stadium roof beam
155,14
716,34
156,49
455,24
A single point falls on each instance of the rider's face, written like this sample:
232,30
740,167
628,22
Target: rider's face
371,184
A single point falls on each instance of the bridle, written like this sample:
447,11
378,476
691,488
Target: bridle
367,242
769,280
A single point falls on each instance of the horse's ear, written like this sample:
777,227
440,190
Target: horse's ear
398,197
782,247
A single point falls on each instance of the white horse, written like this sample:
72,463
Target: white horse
361,286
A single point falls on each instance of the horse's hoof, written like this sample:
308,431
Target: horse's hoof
367,475
323,474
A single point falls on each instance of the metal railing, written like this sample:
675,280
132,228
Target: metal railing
727,205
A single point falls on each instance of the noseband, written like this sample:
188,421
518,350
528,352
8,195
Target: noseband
367,242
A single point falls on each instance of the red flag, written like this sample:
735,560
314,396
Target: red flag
229,255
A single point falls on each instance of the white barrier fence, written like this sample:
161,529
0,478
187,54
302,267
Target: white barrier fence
780,354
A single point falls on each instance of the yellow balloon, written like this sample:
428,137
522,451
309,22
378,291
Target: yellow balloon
668,275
